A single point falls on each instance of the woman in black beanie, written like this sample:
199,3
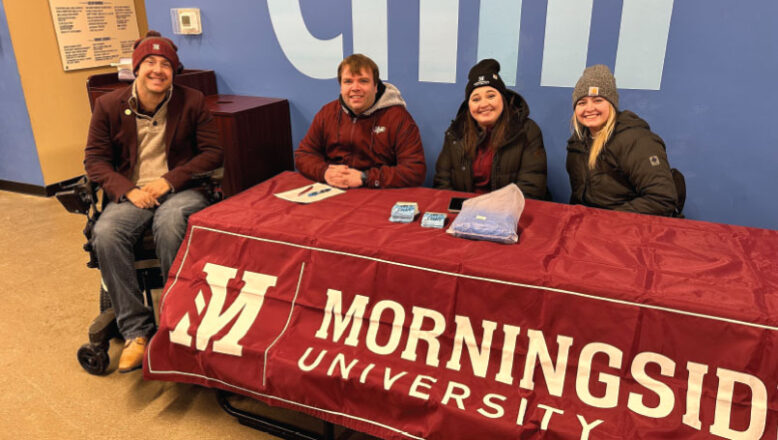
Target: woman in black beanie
614,159
492,142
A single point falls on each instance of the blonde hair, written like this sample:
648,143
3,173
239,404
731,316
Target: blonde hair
602,136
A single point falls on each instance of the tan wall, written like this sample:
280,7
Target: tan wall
56,100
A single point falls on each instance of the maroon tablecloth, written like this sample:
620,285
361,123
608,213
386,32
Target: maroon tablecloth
597,324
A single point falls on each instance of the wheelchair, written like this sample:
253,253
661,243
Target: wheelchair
83,197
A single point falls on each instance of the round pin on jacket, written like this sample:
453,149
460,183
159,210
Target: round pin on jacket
127,112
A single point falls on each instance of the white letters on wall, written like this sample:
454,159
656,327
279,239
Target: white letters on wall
313,57
643,34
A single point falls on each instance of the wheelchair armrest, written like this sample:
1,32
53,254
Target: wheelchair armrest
79,197
211,182
214,176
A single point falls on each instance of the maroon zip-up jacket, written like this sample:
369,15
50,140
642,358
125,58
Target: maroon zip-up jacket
383,142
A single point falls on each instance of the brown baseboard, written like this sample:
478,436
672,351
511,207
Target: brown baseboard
36,190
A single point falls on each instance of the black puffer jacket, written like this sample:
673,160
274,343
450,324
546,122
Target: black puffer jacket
521,159
631,174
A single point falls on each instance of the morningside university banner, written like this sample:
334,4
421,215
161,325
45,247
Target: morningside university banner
404,351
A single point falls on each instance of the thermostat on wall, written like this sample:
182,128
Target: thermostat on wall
186,21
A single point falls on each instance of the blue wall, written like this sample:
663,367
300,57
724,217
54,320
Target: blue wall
713,106
18,155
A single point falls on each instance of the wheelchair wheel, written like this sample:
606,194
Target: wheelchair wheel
93,358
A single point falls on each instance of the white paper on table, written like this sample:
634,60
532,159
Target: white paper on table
310,193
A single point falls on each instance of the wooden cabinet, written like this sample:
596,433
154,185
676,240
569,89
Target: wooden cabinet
255,132
256,136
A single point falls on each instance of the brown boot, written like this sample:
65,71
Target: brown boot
132,355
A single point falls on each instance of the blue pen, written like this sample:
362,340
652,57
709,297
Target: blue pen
316,193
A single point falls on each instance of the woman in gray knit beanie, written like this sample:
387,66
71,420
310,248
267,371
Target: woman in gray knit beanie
614,160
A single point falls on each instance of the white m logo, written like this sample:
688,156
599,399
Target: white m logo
246,306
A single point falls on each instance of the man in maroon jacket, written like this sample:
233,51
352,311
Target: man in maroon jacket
365,137
146,142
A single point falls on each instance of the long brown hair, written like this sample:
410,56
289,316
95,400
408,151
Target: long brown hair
499,131
602,136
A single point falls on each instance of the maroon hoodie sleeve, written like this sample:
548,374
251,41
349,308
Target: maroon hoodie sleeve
309,158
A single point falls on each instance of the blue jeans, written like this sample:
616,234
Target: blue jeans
117,230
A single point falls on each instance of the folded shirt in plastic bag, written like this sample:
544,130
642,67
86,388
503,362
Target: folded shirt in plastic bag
492,216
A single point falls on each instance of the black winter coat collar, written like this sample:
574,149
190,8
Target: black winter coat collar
626,121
